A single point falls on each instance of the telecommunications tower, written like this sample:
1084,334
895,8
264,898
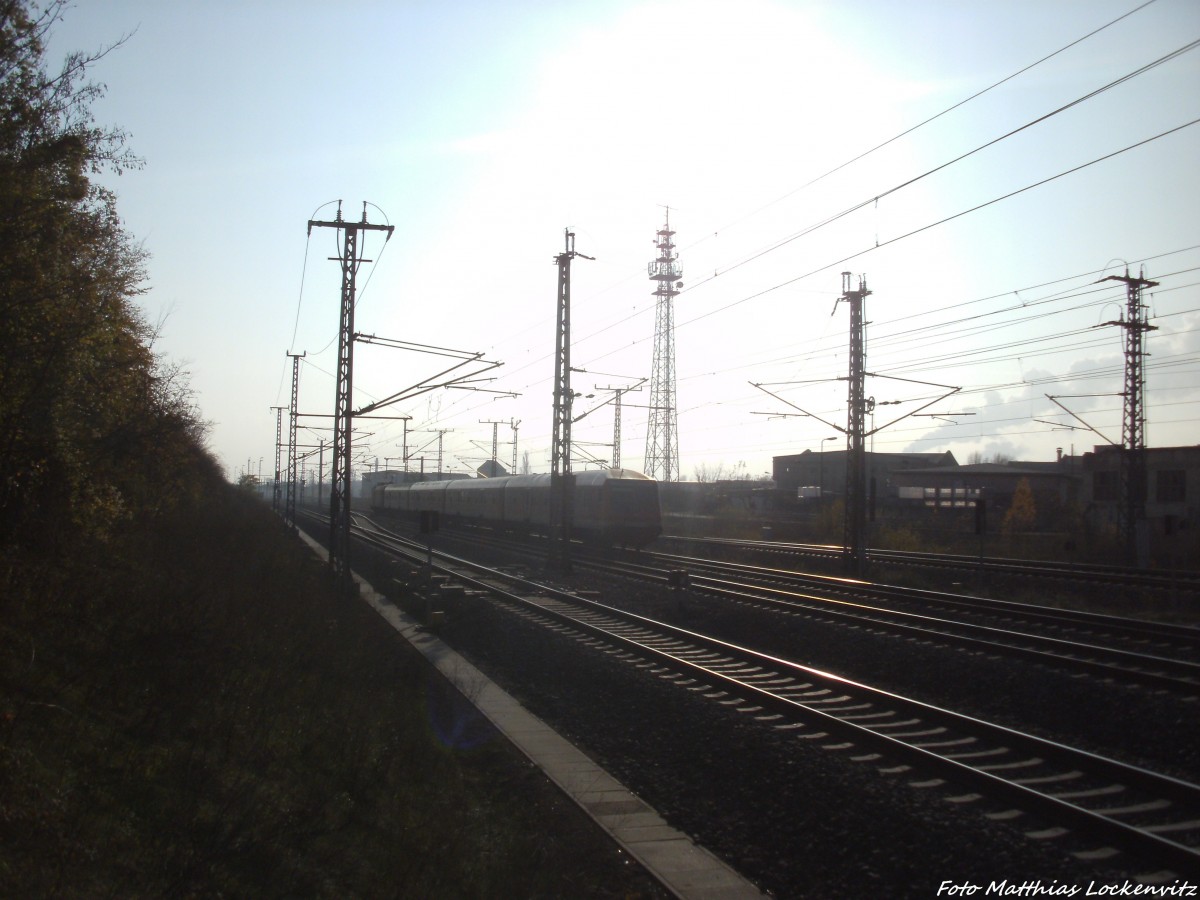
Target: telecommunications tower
662,435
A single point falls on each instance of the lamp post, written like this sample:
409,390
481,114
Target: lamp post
821,467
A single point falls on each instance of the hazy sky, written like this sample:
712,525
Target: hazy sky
481,130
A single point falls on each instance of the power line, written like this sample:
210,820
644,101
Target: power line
1028,305
942,221
933,118
864,203
935,224
883,144
972,209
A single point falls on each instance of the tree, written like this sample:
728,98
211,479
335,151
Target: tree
709,474
1022,513
89,418
999,458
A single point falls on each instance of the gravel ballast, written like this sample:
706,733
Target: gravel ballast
796,817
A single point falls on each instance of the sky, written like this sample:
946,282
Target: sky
983,166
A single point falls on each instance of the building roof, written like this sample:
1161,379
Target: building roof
1012,468
945,457
875,460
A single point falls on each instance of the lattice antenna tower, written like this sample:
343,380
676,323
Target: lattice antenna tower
662,434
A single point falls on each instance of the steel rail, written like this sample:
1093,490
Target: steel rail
1066,618
1171,579
964,747
748,673
1153,670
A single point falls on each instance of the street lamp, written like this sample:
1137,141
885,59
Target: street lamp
821,467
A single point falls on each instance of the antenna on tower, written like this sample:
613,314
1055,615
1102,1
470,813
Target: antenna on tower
662,433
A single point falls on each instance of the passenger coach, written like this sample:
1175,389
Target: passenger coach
611,506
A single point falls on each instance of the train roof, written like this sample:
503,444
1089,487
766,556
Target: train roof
595,476
588,476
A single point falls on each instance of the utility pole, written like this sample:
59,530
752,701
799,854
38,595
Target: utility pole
617,393
290,515
495,437
855,540
321,473
1131,512
441,433
275,494
515,424
562,482
662,435
339,491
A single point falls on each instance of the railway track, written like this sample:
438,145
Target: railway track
1118,807
1155,654
1179,581
1152,654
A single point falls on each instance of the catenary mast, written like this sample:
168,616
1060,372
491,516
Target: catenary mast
562,480
860,406
343,415
1131,512
662,435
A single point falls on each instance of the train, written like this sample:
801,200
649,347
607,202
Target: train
612,507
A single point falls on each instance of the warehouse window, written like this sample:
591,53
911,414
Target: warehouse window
1170,486
1105,486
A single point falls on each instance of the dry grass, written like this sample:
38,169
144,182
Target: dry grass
189,712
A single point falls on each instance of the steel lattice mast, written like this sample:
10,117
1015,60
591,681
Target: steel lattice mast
275,494
515,424
339,489
1132,506
290,512
662,435
562,481
855,541
616,453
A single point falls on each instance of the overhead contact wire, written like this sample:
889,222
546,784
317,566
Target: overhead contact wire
957,215
865,203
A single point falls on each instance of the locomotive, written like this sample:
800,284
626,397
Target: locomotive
612,507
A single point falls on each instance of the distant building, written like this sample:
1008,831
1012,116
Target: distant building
1172,493
827,471
1054,485
491,469
1069,493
